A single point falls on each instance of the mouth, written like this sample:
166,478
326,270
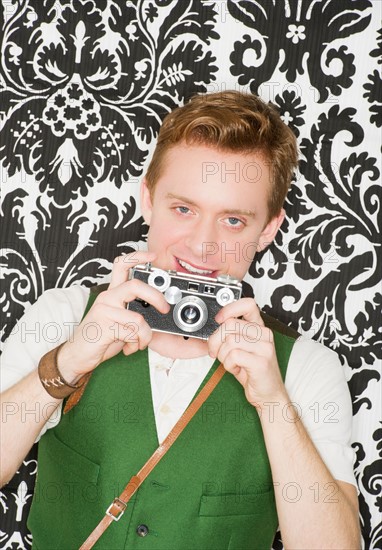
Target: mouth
185,267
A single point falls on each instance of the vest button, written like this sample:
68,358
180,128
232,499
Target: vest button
142,530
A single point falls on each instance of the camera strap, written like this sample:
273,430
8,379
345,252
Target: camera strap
119,504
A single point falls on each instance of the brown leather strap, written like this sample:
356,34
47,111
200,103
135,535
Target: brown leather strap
119,504
74,397
52,379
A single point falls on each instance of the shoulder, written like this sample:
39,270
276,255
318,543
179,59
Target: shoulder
308,359
55,306
73,298
312,361
45,324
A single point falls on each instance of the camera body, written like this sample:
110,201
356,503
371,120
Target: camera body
194,300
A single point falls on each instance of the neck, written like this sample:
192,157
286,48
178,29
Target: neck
176,347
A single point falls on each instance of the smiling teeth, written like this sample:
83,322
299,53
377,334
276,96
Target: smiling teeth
193,269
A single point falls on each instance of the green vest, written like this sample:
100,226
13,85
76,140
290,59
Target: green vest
212,490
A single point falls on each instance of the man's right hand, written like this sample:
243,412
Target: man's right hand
109,326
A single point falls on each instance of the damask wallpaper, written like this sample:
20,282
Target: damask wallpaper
84,85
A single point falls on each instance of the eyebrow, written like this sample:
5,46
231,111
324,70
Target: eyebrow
234,211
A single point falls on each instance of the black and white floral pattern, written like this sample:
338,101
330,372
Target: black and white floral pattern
84,85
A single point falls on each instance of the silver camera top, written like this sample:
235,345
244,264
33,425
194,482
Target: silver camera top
164,280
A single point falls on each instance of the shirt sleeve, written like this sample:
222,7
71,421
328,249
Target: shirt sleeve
316,384
50,321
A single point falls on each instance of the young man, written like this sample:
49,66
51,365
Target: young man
247,462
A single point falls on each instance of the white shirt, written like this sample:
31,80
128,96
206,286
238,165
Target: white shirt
315,379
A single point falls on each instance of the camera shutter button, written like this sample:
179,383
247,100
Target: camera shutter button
173,295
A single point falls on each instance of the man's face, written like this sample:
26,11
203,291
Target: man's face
209,211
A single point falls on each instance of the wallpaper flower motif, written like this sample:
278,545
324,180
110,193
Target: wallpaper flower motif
84,252
296,23
95,82
291,109
374,87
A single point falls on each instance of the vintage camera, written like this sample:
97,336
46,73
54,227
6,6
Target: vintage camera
194,300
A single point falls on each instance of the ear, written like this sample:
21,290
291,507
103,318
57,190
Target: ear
146,202
270,231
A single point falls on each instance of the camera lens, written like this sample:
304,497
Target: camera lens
190,315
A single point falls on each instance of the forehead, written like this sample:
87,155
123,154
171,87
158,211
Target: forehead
203,169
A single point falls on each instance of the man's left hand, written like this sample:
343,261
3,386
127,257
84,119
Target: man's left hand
245,347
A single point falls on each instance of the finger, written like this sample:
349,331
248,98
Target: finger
131,338
218,338
231,327
112,324
122,265
133,332
238,362
214,343
128,291
240,333
245,308
259,350
222,343
130,348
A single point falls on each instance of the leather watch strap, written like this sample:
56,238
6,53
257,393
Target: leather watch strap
51,378
119,504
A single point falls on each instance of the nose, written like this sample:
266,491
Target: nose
202,238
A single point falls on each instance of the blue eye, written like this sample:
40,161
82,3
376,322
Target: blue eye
235,223
183,209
